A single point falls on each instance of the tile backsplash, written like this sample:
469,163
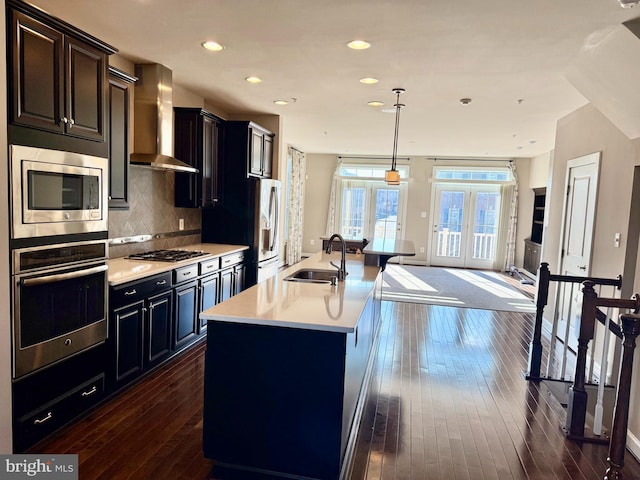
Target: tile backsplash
151,212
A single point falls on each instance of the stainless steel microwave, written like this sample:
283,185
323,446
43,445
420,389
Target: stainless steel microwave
57,193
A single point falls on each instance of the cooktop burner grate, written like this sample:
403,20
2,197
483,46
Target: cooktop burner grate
167,255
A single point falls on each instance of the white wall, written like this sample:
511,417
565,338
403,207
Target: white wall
5,315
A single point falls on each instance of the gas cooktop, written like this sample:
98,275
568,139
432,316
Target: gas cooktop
167,255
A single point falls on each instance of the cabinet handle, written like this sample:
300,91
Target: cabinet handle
89,392
132,292
163,282
38,421
209,267
186,273
582,267
71,121
144,309
64,120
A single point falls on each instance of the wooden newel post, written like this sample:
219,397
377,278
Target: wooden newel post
618,445
535,347
577,403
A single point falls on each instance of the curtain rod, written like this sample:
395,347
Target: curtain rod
462,159
373,158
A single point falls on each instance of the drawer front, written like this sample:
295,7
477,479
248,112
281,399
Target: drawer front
209,266
184,274
231,259
35,426
135,291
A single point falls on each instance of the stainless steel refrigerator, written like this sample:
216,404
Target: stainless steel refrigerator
248,215
267,224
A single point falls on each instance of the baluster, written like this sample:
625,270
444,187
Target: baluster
618,445
577,403
535,347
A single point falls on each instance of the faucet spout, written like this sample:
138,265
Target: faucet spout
342,269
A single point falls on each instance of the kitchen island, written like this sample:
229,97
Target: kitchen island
286,371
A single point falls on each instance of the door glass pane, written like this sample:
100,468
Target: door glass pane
353,210
450,223
485,227
386,213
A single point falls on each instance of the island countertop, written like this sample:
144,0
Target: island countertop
312,306
122,270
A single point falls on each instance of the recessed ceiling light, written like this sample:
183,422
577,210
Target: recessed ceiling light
281,102
358,45
212,46
368,80
253,79
375,103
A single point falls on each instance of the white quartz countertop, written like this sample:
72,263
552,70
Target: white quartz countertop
123,270
390,246
312,306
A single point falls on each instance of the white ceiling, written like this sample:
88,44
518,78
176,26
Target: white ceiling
509,57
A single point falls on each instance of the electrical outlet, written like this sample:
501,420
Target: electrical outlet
312,241
616,240
181,224
421,249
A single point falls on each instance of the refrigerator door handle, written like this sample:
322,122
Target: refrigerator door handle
274,210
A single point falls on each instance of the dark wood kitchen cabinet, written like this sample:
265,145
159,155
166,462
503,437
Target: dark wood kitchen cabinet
141,322
57,82
249,144
198,141
186,306
232,275
54,396
120,84
209,288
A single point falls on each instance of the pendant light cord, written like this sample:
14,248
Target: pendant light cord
398,106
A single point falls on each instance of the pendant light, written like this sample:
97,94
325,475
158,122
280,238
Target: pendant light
392,176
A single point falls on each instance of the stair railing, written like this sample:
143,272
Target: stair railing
578,397
545,277
618,445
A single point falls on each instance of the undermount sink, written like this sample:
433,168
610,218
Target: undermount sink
310,275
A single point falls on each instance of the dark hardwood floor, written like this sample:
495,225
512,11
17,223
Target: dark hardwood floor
447,401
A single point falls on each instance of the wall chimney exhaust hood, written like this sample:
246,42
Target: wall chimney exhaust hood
153,120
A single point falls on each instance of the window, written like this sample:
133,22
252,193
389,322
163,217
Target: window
473,174
367,206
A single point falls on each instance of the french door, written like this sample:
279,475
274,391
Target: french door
371,210
466,220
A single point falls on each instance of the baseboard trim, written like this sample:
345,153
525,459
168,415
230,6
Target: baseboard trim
633,445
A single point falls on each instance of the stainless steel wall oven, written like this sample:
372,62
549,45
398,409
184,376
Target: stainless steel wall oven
59,302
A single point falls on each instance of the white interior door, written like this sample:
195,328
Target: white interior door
578,227
466,222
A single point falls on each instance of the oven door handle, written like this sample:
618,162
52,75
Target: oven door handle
28,282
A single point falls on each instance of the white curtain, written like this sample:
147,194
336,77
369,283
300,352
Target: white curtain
295,207
331,211
510,251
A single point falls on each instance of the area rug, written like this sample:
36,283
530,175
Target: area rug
454,287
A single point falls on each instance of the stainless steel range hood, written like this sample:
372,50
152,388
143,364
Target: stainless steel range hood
153,120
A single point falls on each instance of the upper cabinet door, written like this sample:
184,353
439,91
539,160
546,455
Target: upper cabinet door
267,156
120,84
37,64
256,154
57,81
87,69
